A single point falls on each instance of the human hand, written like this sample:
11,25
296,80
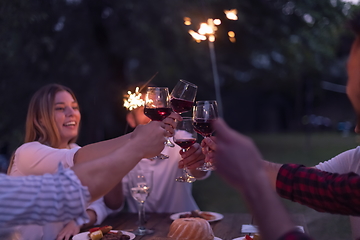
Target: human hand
68,231
150,138
208,146
170,121
237,159
192,157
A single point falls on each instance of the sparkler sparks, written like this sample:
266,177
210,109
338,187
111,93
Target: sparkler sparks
231,14
207,31
133,100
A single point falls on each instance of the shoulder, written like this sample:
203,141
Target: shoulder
30,146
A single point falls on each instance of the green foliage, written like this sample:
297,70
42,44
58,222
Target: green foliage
99,47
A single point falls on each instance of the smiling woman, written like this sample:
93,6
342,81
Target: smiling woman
52,127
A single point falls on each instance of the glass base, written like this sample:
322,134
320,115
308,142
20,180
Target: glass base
188,179
160,157
206,167
143,231
169,143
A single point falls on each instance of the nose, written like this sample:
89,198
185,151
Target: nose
69,111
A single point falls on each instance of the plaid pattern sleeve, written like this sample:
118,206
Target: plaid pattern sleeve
295,235
322,191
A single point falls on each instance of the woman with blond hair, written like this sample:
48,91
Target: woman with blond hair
52,127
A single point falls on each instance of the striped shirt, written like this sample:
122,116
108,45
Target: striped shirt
42,199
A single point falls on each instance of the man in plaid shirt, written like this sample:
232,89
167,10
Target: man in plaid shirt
323,191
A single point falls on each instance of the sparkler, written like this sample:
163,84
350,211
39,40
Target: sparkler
133,100
207,31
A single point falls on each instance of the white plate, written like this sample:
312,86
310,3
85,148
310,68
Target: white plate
239,238
216,238
218,216
85,235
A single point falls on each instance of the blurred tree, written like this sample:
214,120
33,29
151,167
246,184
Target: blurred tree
283,50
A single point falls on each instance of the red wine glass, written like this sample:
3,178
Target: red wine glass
157,107
204,114
185,136
183,96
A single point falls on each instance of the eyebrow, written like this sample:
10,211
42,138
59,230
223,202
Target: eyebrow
64,102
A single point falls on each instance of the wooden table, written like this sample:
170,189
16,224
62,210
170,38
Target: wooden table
228,228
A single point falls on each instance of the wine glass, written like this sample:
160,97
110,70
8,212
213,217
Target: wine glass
185,136
183,96
204,114
157,108
140,184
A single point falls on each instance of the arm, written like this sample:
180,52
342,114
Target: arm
322,191
114,198
30,194
238,161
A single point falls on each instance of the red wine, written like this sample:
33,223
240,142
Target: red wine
203,127
157,114
181,105
185,143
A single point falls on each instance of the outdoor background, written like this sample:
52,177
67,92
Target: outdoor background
282,81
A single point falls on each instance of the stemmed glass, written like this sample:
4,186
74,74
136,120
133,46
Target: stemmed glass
204,113
140,183
185,136
183,96
157,108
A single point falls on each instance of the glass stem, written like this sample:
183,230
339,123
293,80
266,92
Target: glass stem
141,217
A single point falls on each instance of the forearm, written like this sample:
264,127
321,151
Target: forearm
95,174
92,217
114,198
322,191
100,149
272,170
268,211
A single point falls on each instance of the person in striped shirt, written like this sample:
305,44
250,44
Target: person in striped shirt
66,193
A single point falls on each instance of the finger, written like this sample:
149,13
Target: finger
170,130
181,164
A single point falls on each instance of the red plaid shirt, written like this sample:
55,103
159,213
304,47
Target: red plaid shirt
322,191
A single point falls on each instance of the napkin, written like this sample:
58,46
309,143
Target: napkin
248,228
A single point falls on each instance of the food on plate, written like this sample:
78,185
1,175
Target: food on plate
191,229
255,237
96,235
198,214
104,233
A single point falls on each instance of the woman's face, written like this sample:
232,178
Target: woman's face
67,117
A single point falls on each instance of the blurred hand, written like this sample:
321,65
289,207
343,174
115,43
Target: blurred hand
208,146
68,231
237,159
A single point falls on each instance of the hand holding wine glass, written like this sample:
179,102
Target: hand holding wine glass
140,184
157,106
183,96
185,136
204,114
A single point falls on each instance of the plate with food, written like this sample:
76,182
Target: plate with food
209,216
104,233
248,237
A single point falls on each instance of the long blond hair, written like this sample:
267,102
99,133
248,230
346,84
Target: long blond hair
40,122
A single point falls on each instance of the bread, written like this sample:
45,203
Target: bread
191,229
96,235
